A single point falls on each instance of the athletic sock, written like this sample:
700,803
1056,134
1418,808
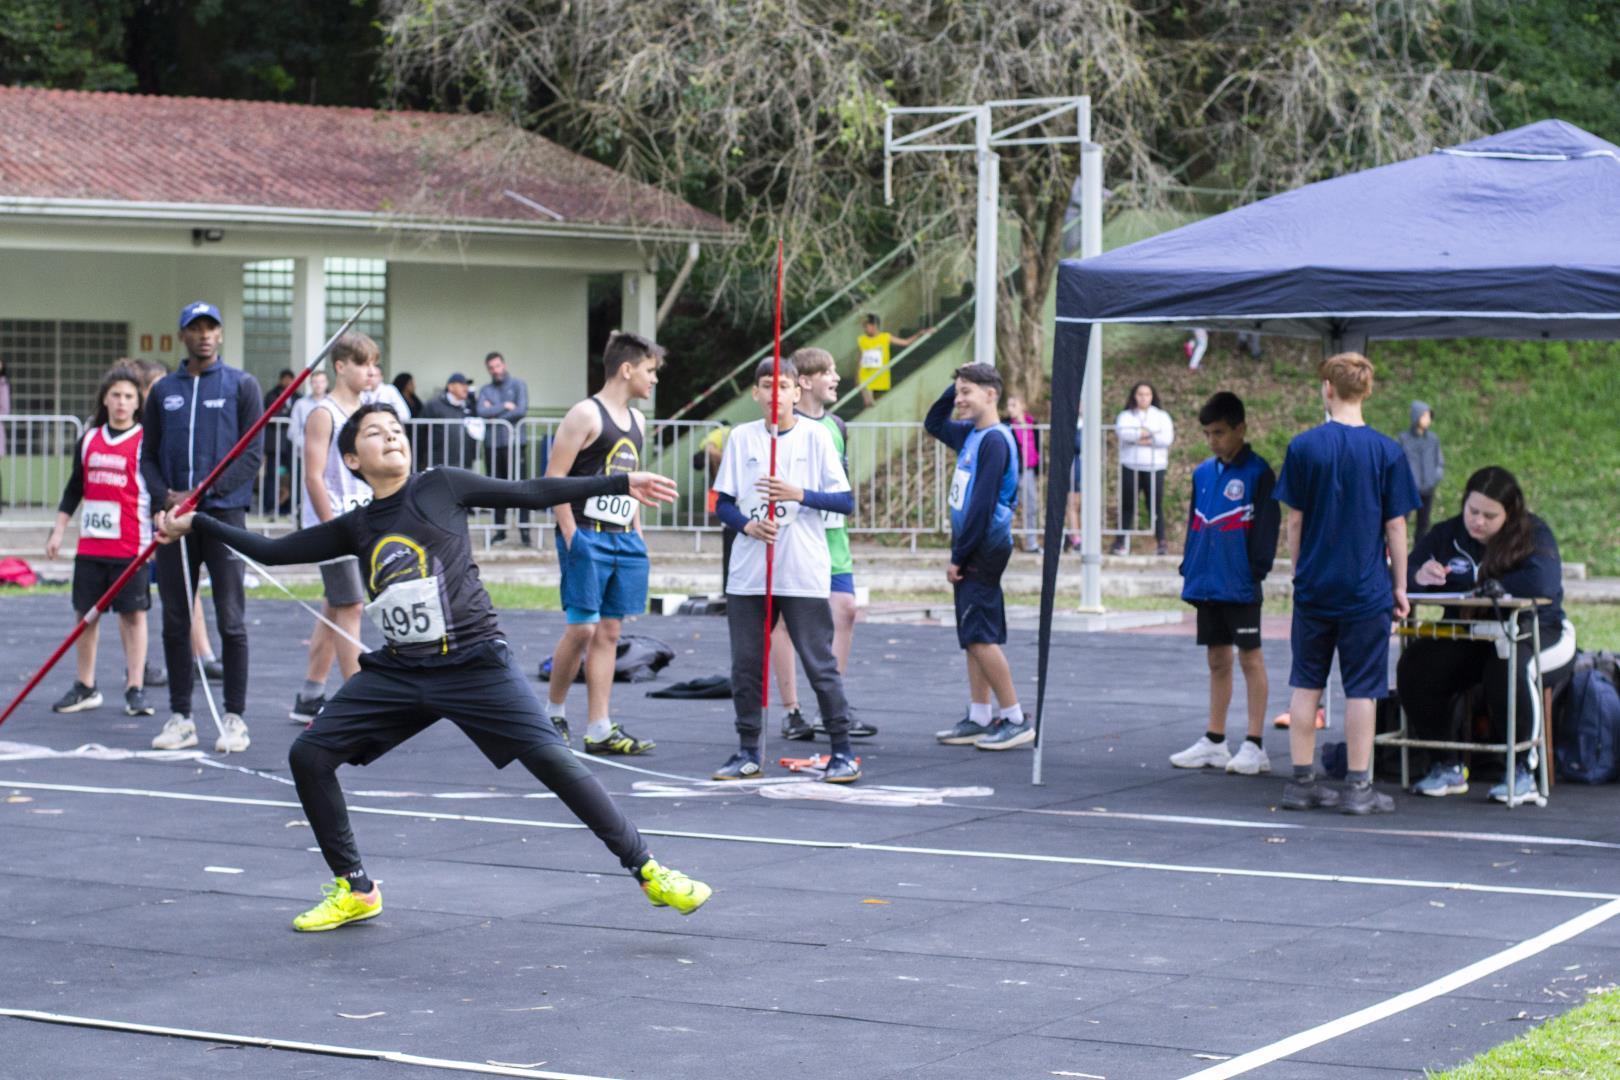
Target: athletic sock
979,713
312,689
597,730
556,711
1254,739
1216,737
1013,714
359,880
1359,777
844,747
1304,774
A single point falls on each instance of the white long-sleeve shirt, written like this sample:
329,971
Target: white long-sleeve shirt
1135,455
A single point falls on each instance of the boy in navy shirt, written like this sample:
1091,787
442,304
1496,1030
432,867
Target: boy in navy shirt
1231,543
981,497
1349,490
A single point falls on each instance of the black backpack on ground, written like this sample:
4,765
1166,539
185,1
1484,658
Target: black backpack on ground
640,659
1587,729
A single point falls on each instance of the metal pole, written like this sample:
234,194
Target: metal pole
1091,494
984,277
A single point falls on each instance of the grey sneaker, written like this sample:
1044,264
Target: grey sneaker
1360,799
1308,796
1006,735
233,737
135,703
964,733
178,733
78,698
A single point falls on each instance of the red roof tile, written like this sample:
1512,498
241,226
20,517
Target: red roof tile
61,144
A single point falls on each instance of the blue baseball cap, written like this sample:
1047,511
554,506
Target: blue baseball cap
458,377
196,310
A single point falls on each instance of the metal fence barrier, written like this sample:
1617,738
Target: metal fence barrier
36,459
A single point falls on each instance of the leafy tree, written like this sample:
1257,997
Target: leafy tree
1552,58
66,44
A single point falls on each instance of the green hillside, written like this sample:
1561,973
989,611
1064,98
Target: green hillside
1545,410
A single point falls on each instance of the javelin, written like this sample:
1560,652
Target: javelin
186,506
770,505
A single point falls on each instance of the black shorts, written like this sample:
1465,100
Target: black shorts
981,614
386,702
92,577
1229,624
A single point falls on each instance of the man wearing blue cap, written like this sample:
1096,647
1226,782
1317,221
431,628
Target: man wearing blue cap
451,443
193,418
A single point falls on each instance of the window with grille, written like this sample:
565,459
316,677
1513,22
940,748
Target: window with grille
351,282
55,366
267,306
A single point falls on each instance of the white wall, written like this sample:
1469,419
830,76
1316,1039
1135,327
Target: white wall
446,318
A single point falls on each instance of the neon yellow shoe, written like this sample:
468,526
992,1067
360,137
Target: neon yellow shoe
671,888
340,906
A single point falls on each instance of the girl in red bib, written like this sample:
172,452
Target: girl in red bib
115,523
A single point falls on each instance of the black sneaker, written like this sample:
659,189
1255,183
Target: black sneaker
135,703
1308,796
561,724
841,769
743,765
858,728
155,677
1359,799
78,699
214,670
306,709
797,728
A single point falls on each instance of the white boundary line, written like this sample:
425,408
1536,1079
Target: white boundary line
855,845
396,1056
1343,1025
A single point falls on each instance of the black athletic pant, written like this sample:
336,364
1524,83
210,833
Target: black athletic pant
489,699
1424,511
1150,485
226,573
809,623
498,464
1432,673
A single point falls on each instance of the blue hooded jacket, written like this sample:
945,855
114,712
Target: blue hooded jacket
191,423
1232,530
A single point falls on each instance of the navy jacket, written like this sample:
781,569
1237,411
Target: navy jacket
191,422
985,483
1540,575
1232,528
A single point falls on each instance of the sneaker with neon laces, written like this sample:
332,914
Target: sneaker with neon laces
233,735
135,702
618,741
561,724
671,888
1203,754
965,733
796,727
339,906
1524,786
78,698
1250,760
1006,735
178,733
1444,778
841,769
743,765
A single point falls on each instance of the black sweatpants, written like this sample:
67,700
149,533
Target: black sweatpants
486,696
1432,673
1424,511
809,623
1148,484
226,573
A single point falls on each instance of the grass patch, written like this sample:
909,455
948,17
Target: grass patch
1582,1043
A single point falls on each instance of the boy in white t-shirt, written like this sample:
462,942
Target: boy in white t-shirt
809,476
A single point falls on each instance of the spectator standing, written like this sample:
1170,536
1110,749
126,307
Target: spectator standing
193,418
504,397
876,345
382,393
450,441
708,455
278,467
1029,463
406,385
1427,459
1145,433
1071,514
318,382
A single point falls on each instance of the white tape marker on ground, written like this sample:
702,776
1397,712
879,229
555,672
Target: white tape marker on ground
396,1056
1283,1048
855,845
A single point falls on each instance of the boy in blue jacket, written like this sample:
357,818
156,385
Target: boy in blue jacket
1231,542
983,489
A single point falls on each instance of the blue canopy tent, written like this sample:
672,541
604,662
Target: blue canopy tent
1512,236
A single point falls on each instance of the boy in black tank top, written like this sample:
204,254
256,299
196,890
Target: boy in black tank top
600,550
445,654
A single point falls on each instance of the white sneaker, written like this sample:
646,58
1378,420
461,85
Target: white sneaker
233,739
1250,760
1202,754
177,734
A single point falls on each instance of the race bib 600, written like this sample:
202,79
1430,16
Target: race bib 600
611,509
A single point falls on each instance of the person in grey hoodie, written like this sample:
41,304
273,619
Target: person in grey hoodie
1427,460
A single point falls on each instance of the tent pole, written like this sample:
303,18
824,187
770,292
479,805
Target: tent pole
984,276
1091,493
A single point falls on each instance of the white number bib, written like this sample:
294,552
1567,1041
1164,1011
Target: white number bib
831,520
101,521
611,509
409,612
871,358
754,505
343,504
959,486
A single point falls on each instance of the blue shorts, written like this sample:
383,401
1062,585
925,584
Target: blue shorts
1363,647
844,583
604,575
981,614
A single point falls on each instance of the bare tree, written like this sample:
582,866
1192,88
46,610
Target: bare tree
771,114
